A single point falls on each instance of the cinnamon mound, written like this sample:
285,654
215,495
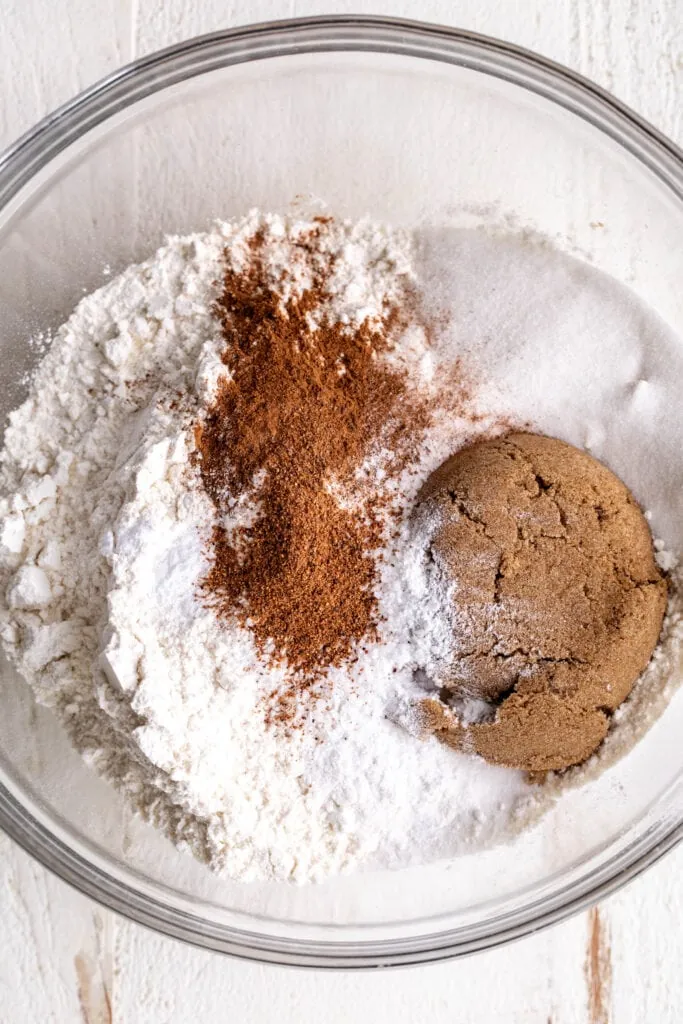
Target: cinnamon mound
556,599
304,401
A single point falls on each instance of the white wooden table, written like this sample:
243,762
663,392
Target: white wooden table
62,958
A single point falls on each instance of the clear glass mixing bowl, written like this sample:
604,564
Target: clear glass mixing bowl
412,123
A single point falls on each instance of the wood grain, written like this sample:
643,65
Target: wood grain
65,960
598,968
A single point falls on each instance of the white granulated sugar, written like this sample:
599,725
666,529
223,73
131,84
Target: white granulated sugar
568,350
103,536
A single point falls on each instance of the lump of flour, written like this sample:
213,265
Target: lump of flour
554,595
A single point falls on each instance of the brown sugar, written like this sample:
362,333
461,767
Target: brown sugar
298,411
558,602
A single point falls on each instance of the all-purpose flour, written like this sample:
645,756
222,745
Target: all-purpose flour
103,539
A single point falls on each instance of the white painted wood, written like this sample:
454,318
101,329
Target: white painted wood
64,960
56,948
647,946
50,51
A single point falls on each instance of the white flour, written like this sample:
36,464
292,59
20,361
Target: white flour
101,546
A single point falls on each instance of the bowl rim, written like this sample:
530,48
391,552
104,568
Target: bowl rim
326,34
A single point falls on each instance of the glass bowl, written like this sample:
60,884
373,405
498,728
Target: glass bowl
413,124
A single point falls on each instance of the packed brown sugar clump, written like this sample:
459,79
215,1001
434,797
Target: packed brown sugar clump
557,601
304,402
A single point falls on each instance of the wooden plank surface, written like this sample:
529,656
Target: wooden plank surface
64,959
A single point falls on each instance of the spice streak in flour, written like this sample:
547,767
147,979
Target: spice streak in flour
306,399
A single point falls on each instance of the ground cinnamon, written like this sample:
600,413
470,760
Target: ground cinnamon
298,411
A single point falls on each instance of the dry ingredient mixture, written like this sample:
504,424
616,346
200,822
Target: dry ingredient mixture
209,565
